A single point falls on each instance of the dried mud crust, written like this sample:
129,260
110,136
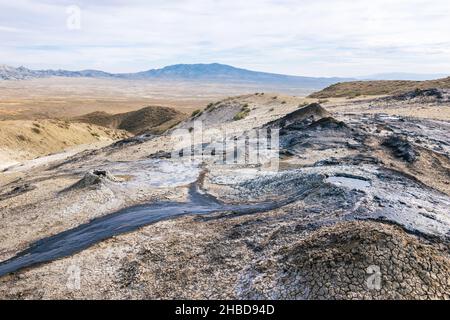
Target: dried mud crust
337,262
247,258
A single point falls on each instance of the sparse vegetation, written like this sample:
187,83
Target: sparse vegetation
245,110
211,106
36,130
354,95
21,137
196,113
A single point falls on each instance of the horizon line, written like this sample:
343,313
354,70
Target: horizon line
355,77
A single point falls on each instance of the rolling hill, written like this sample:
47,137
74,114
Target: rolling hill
22,73
373,88
153,119
25,139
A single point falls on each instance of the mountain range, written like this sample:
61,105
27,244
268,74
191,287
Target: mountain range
211,73
214,72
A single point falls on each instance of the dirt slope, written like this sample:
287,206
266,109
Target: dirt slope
22,140
253,109
152,119
371,88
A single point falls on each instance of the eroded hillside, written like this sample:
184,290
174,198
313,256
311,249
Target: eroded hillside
358,207
153,119
24,140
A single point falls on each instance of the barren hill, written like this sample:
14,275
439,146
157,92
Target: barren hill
153,119
372,88
22,140
250,108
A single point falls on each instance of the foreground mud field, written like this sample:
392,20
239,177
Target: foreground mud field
358,208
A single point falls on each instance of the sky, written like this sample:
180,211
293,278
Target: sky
298,37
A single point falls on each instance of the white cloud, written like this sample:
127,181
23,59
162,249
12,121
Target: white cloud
320,37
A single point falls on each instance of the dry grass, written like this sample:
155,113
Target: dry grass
373,88
245,111
368,105
23,139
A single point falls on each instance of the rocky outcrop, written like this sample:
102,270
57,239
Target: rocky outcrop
422,93
94,178
305,115
401,148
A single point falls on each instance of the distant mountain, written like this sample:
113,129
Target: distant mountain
22,73
11,73
225,73
74,74
404,76
214,72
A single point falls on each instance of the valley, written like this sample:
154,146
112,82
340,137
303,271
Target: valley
361,189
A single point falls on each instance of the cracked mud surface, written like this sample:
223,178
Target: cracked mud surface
364,195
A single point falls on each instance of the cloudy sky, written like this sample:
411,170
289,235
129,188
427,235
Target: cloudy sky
299,37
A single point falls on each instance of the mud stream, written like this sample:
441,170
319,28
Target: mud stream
84,236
